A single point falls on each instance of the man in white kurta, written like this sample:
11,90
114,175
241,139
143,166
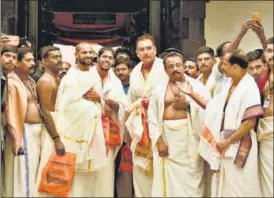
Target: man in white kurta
144,77
179,173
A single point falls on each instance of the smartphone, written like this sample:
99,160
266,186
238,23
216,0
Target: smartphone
256,16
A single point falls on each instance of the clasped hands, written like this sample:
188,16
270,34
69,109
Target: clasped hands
93,96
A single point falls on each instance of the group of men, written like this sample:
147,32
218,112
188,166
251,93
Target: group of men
170,127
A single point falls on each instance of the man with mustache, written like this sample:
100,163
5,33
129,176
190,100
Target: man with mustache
47,87
265,127
22,151
8,59
205,61
8,63
71,119
64,69
122,69
124,182
144,77
175,117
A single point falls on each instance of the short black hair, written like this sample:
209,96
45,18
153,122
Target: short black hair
255,55
122,50
168,50
194,61
260,51
122,60
104,49
22,51
9,49
191,59
238,57
44,51
172,54
219,49
203,50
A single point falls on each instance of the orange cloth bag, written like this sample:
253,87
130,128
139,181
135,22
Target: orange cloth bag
126,160
57,175
145,140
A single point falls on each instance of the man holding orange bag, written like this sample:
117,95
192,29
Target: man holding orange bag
144,77
78,122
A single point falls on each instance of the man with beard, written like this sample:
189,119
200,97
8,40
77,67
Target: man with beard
144,77
113,115
64,69
22,151
178,110
265,128
191,68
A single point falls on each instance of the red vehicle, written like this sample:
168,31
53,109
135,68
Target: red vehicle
97,21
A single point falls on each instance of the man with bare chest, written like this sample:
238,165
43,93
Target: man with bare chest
175,119
22,150
75,120
265,127
47,87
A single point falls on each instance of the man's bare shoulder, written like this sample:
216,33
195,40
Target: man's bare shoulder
47,82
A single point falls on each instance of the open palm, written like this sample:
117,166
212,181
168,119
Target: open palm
185,87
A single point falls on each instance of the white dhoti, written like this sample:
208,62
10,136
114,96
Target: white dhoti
174,175
104,181
265,139
240,182
20,171
142,182
83,183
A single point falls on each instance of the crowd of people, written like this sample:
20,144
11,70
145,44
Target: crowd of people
168,126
